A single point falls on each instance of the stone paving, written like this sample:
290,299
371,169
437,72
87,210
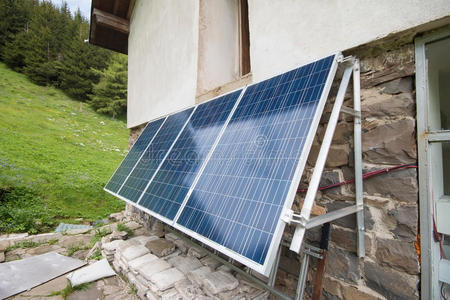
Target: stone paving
149,264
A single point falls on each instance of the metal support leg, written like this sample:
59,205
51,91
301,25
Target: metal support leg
320,162
358,160
302,277
274,271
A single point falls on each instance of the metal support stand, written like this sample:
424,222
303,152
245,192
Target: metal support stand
303,220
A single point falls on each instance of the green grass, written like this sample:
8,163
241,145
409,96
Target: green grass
123,227
55,157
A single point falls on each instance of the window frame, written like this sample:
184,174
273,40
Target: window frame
426,140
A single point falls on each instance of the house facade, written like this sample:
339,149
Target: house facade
183,52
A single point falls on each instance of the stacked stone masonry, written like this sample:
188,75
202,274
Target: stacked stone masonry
168,268
390,269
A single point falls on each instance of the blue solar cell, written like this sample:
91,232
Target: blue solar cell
177,173
133,156
153,156
240,194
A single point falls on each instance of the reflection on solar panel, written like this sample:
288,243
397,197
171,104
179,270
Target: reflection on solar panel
171,183
133,156
255,169
153,156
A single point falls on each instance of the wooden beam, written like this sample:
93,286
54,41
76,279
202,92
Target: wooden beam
116,7
111,21
130,9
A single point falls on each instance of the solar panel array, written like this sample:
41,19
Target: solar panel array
224,170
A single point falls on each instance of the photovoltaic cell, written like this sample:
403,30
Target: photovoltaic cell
153,156
133,156
174,178
240,194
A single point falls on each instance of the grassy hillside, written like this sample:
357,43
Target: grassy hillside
56,155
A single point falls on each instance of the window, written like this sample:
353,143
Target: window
224,43
433,126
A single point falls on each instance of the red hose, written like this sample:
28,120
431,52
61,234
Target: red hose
365,176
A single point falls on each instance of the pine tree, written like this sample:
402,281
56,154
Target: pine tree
110,94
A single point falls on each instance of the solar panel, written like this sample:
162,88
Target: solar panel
155,153
255,168
135,153
176,175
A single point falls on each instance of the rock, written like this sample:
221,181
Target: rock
44,238
181,245
171,237
219,281
125,244
329,178
210,262
400,185
406,218
69,241
42,249
185,264
93,249
166,279
343,265
158,229
2,257
332,286
147,270
145,259
199,274
133,225
390,143
133,252
338,155
47,288
351,293
397,86
116,217
346,239
400,255
4,244
390,283
81,254
112,246
197,252
172,294
160,247
78,231
144,239
187,290
118,235
142,232
111,289
350,221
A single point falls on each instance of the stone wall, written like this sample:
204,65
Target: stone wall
390,269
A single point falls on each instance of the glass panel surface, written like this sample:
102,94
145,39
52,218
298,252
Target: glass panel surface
133,156
153,156
175,177
238,199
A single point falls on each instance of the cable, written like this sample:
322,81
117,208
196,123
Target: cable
365,176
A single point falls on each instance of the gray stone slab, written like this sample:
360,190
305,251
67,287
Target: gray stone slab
166,279
143,239
197,252
47,288
21,275
198,275
133,252
188,290
171,237
112,246
154,267
185,264
210,262
145,259
160,247
218,282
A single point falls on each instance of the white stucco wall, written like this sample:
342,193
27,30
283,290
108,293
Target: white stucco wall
162,58
164,42
288,33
